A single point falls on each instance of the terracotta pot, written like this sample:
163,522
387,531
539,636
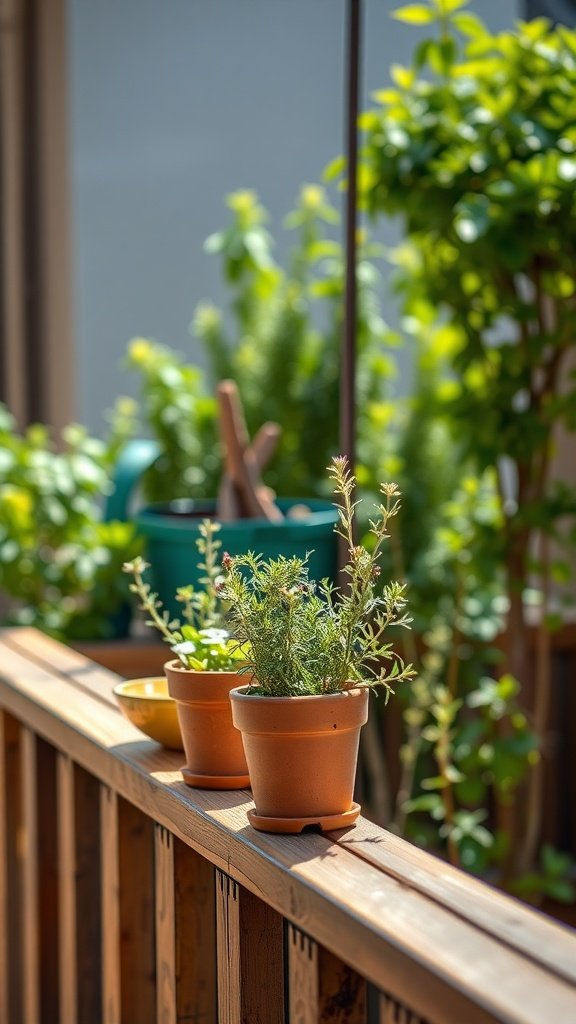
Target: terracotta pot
301,754
213,747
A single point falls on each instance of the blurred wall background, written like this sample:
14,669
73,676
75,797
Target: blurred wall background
174,104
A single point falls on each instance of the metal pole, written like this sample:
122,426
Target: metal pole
348,357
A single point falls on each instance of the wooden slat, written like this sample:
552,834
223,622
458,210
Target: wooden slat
29,853
88,904
67,882
195,908
137,957
342,992
110,888
261,976
14,829
228,949
4,920
303,992
165,926
48,881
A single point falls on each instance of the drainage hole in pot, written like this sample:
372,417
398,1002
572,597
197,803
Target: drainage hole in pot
312,828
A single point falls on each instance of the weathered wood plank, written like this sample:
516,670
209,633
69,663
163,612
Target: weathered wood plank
137,954
228,949
165,926
494,912
67,880
4,919
342,992
110,888
261,961
29,853
195,908
48,881
88,902
303,990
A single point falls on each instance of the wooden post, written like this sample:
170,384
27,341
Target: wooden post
110,888
302,978
165,926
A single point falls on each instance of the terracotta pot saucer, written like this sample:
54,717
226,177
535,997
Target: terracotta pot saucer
214,781
326,822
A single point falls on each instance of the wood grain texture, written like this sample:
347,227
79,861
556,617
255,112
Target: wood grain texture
228,949
398,927
48,881
67,884
195,910
88,896
261,961
342,992
30,905
4,920
137,953
303,993
110,890
165,926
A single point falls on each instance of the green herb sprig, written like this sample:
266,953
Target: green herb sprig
201,643
307,637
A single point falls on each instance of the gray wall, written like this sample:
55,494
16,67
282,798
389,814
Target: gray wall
174,104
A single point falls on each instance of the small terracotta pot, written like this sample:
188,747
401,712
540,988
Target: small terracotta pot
213,747
301,754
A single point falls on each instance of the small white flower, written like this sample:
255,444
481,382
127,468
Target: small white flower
186,647
213,636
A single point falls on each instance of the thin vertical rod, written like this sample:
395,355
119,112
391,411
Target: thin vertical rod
348,360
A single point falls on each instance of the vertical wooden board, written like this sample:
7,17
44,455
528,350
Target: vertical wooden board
195,914
137,958
29,854
261,975
47,881
88,903
110,890
228,949
165,926
67,890
3,874
14,896
303,993
342,992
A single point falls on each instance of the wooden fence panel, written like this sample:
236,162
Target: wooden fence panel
110,889
137,954
195,910
303,994
165,926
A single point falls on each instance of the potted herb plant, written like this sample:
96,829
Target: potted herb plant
315,652
204,671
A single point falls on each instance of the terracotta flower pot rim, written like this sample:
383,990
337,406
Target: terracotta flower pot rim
175,665
243,693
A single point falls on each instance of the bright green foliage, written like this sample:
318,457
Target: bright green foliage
200,643
58,561
181,416
303,637
280,341
473,147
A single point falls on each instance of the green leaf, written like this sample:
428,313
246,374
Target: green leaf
414,14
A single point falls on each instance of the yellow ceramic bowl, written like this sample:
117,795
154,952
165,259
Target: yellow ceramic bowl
147,704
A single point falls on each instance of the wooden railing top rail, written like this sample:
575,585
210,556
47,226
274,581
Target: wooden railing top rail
409,923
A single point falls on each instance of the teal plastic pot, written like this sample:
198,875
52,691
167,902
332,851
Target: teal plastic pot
171,530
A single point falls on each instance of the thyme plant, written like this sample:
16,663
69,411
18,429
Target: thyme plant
200,643
305,637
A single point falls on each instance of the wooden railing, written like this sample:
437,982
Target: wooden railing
127,897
